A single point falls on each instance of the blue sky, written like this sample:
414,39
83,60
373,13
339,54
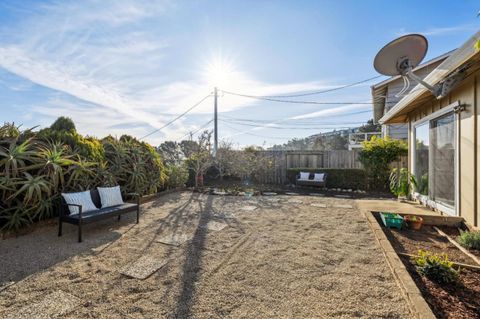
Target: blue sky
128,66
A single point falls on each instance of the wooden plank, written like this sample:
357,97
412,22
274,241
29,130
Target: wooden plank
466,252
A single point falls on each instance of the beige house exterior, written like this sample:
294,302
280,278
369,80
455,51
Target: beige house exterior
444,135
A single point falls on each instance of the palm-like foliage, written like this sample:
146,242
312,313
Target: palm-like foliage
14,157
51,159
35,169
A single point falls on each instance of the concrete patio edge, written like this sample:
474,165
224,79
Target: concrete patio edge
416,303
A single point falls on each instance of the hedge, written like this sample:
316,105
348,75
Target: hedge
346,178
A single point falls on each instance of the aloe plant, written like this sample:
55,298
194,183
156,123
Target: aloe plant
36,167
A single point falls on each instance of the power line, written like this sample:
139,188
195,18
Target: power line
293,101
271,137
178,117
296,123
323,91
287,128
196,131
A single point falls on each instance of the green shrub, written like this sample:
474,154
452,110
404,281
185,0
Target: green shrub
436,267
177,175
348,178
401,182
470,240
35,167
377,155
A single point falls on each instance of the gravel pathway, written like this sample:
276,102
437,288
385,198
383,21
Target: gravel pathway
281,260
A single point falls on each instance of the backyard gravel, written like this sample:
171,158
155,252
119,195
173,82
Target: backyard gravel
284,259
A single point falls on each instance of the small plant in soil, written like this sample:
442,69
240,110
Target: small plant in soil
436,267
470,240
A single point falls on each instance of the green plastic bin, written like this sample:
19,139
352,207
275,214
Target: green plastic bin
392,220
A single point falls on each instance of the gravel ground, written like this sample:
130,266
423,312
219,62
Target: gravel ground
285,259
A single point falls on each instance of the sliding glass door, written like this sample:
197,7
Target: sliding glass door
442,134
434,159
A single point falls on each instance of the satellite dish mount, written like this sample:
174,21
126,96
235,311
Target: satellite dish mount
400,57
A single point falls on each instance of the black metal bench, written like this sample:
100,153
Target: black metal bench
82,218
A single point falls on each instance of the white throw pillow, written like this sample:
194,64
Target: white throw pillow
319,177
80,198
304,175
110,196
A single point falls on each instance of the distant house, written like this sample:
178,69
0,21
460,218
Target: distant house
384,96
443,134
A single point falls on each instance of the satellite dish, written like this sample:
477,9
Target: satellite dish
401,55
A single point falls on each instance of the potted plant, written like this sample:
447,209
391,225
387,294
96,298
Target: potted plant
401,183
414,222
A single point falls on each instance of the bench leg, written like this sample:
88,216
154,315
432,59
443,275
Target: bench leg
118,217
80,232
138,214
59,227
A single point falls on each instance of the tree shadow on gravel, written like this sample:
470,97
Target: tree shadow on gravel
193,260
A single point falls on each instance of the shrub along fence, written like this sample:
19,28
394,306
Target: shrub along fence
344,167
345,178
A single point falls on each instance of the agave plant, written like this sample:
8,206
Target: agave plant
15,157
81,175
51,160
32,188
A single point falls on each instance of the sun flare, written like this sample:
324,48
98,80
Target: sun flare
220,73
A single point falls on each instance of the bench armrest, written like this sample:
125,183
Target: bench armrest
137,197
75,205
133,194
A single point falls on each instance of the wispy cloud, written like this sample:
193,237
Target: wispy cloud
105,54
441,31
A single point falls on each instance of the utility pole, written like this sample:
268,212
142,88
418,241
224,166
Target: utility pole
215,121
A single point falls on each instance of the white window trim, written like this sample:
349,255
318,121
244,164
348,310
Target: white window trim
424,199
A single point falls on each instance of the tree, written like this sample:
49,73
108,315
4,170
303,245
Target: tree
377,155
200,158
171,153
370,127
63,124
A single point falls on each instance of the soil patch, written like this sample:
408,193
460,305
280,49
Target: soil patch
453,301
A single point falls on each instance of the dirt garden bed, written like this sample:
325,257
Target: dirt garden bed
446,301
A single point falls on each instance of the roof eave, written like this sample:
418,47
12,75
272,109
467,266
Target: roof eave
460,56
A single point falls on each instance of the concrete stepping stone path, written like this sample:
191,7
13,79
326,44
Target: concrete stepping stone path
53,305
343,196
175,239
343,206
295,201
248,208
213,225
319,205
143,267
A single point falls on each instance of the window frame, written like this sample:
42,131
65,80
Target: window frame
425,199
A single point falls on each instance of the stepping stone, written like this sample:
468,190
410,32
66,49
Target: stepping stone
291,194
317,194
224,215
248,208
55,304
175,239
219,193
343,196
213,225
343,206
319,205
269,194
293,201
143,267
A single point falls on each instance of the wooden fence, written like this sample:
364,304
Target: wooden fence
283,160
